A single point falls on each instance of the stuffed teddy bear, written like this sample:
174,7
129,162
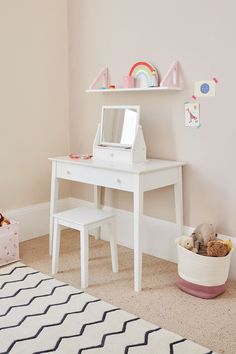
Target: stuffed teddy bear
186,242
3,220
218,248
202,235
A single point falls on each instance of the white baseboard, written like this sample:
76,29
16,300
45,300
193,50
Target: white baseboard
34,219
158,239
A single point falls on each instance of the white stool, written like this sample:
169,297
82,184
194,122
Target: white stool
83,219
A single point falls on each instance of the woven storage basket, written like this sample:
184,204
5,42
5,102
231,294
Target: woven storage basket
201,275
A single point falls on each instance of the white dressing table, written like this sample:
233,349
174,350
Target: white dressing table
136,178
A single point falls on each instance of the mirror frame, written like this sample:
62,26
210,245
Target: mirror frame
105,143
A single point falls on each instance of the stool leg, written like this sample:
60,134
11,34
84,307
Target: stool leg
113,247
84,257
55,246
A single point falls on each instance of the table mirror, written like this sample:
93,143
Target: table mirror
119,125
119,136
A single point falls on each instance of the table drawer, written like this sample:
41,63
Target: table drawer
97,176
67,171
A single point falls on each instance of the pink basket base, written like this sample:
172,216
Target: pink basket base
202,291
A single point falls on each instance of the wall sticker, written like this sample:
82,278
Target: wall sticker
206,88
192,114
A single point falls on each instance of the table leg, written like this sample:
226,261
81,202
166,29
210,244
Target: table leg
97,203
179,202
138,225
84,257
53,203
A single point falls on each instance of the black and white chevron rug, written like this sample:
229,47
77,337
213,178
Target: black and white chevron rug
39,314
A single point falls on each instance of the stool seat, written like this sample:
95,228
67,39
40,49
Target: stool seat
84,216
83,219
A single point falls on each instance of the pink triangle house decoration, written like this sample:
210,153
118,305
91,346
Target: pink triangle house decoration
171,79
101,79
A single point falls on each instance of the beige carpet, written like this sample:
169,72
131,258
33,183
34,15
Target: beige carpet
211,323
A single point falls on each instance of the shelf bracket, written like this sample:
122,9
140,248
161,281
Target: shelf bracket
101,79
171,78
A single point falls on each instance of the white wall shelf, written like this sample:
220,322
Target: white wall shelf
137,89
170,82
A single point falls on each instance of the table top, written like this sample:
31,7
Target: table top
150,165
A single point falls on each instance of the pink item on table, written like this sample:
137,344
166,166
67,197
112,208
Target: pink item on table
9,243
128,81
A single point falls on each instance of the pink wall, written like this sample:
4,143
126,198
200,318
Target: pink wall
34,98
201,36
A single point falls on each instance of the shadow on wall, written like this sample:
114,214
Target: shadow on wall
158,127
206,198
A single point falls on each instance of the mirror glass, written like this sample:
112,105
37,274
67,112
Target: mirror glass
119,125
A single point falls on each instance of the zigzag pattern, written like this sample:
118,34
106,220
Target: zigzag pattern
33,298
46,311
13,270
109,334
142,343
76,335
53,325
18,280
47,316
29,288
174,343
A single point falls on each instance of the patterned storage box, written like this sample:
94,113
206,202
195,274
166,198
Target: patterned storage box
9,243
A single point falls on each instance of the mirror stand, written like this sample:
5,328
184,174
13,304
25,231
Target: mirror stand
132,154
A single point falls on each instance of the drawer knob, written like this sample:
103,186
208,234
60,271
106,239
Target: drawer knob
118,180
68,172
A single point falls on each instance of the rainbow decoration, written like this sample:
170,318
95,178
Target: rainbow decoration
145,74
